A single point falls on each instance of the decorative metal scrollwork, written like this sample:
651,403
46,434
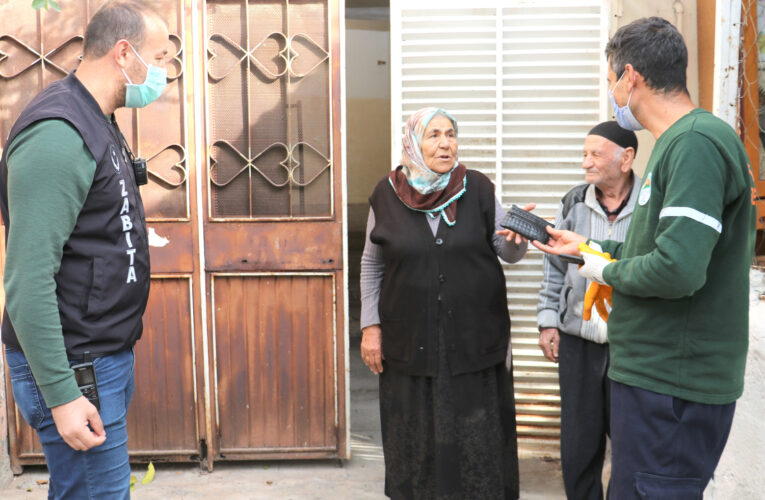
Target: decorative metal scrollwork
289,163
180,166
177,60
287,53
29,60
40,58
278,74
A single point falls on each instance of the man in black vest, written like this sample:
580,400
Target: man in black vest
77,261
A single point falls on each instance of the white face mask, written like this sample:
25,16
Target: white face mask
623,114
143,94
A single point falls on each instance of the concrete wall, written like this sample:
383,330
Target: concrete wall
683,15
367,112
741,472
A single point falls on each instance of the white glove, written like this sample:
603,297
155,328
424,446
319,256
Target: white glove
594,262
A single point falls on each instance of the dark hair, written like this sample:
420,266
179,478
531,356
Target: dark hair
654,47
114,21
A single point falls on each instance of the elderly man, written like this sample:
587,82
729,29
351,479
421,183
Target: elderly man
77,267
601,208
678,331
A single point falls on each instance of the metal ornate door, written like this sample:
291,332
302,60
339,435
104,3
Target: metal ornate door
273,228
243,353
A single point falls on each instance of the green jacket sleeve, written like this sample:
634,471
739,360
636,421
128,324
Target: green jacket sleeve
50,172
613,248
687,230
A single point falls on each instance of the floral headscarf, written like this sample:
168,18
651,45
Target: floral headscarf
416,185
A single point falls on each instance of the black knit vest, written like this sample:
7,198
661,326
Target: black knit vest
452,281
102,286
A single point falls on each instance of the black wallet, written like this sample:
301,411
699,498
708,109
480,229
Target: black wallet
526,224
571,259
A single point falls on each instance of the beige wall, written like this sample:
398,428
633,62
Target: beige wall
367,112
368,129
625,11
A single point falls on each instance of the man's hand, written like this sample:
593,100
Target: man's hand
511,236
549,341
72,420
561,242
371,348
594,262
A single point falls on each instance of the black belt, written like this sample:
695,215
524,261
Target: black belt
80,358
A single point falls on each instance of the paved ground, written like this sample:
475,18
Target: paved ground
359,478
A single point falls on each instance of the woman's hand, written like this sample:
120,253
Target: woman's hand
371,348
512,235
561,242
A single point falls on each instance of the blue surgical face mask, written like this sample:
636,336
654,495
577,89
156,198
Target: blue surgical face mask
623,114
143,94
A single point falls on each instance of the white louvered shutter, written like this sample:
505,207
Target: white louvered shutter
525,80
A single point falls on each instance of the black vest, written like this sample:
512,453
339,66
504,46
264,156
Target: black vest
102,285
452,281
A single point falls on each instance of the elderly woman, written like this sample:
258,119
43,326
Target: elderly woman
435,322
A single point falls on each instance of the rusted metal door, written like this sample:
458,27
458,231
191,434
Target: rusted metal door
273,228
166,416
243,352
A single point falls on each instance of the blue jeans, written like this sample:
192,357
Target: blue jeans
102,472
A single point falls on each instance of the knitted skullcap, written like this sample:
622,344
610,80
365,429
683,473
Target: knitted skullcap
614,133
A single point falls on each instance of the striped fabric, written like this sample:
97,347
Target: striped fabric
600,229
693,214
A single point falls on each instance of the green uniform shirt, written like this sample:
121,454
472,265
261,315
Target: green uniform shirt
50,171
680,321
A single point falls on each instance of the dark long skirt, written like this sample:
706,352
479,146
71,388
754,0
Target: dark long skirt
449,437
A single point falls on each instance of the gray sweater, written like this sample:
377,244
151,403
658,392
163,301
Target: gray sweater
561,300
373,265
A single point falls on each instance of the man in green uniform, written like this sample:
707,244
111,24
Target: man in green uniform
678,330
